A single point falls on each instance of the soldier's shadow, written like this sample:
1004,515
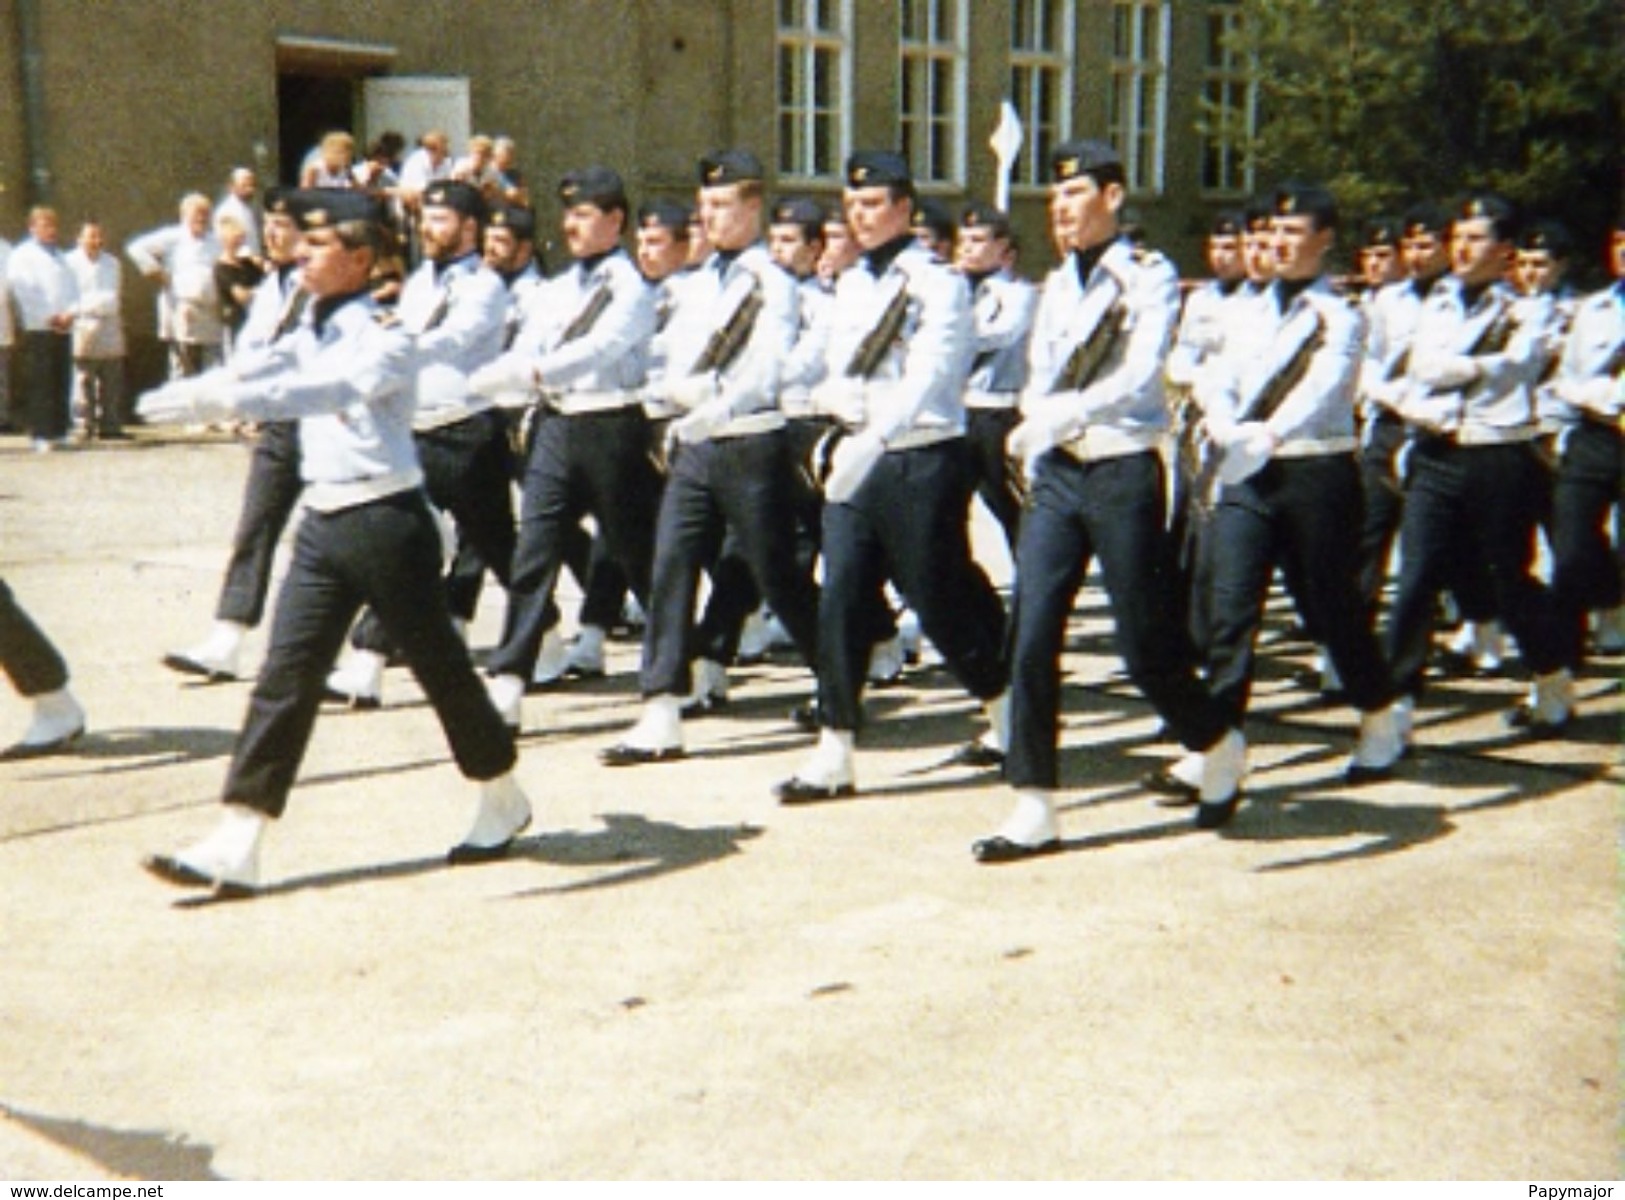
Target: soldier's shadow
103,752
633,847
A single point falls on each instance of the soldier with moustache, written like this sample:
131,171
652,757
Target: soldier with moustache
348,378
1590,397
1002,307
1093,420
583,352
1281,418
730,333
456,310
274,482
1475,483
898,485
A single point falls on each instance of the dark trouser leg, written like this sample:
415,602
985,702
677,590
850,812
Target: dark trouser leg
986,430
269,497
319,599
801,435
27,656
734,596
1585,571
47,383
854,570
1318,501
1384,504
1123,505
1508,489
688,535
605,593
1051,559
755,499
920,500
1244,526
1435,523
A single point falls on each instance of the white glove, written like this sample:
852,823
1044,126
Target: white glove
505,378
691,391
1435,414
196,400
697,425
850,465
841,399
1247,447
1030,441
1447,372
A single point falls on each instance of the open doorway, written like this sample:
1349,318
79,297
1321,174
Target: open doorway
309,106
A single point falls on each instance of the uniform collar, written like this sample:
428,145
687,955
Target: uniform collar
460,264
323,310
880,259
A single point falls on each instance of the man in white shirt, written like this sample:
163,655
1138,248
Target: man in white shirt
44,297
238,202
180,259
98,335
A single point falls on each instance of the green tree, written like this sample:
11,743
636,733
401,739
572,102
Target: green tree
1389,101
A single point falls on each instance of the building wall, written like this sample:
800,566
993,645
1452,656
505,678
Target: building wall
145,101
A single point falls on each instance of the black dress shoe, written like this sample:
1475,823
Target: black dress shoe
1175,792
999,849
464,855
799,791
173,871
1357,774
977,754
56,745
350,699
187,665
1524,718
806,716
1216,815
623,755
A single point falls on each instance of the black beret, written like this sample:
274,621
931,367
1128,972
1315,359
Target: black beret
665,214
976,215
1228,223
1500,212
1257,215
1087,157
930,214
878,168
322,208
1381,231
1550,236
518,218
1425,217
722,167
1305,200
598,186
461,198
798,210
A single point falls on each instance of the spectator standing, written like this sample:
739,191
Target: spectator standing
45,298
238,202
98,334
180,260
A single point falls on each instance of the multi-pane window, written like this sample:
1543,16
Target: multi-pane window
1041,55
931,91
815,86
1229,104
1136,105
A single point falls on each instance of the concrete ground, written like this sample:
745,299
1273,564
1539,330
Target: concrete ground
673,977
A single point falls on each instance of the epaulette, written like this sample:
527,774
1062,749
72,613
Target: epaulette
387,317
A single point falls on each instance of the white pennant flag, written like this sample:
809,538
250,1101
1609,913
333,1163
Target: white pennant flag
1006,144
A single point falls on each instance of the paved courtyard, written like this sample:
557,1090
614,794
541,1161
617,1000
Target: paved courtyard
674,977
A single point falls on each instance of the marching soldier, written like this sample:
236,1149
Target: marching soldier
1283,427
1093,422
897,487
456,310
40,675
1002,307
1391,314
1475,480
1590,478
274,481
583,348
368,537
732,330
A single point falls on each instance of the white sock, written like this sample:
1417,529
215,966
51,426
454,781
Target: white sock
998,721
661,725
1032,821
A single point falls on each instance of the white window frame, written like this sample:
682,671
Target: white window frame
1050,66
1139,79
950,45
808,41
1218,130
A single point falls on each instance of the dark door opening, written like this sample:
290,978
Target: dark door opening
309,106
